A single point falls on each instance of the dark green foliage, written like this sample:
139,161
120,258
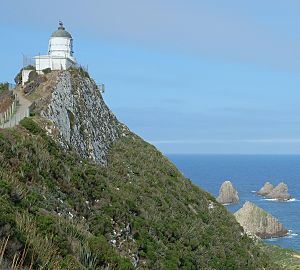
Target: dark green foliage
32,126
32,76
81,71
71,119
4,87
138,206
46,70
18,78
29,67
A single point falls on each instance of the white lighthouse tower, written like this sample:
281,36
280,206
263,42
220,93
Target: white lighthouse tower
60,52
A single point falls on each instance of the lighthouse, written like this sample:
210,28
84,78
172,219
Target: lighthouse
60,52
59,57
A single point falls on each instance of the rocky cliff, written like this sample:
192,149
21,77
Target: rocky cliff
80,120
256,221
280,192
266,189
228,194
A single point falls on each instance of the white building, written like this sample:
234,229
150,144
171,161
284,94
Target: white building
60,54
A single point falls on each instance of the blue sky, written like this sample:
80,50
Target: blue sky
188,76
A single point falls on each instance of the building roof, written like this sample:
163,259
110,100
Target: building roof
61,32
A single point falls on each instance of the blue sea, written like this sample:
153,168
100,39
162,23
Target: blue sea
248,173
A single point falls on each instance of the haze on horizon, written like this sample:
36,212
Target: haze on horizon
190,77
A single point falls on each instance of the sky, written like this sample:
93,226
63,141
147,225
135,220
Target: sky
193,76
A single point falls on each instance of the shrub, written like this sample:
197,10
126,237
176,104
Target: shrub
46,70
32,76
4,87
31,126
29,67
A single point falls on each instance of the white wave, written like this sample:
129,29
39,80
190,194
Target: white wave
271,239
253,191
276,200
292,234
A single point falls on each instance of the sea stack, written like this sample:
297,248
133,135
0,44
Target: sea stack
228,194
280,192
257,221
266,189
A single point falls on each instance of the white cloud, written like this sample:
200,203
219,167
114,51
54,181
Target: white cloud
216,141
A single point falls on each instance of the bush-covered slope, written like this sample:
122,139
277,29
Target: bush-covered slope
136,212
285,258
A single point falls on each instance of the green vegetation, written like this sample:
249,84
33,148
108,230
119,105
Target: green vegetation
70,213
29,67
286,258
46,70
81,71
32,76
4,87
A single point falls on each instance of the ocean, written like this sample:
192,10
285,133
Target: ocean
248,173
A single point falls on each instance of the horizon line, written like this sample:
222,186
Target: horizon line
233,154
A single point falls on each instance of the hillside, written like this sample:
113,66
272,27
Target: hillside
128,209
287,259
6,98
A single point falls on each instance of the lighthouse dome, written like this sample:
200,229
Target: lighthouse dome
61,43
61,32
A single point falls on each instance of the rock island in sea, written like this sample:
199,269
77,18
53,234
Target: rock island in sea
257,221
280,192
228,194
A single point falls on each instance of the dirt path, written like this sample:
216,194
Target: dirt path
22,111
296,256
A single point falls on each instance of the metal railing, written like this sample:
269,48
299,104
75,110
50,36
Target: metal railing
8,114
15,119
101,87
28,61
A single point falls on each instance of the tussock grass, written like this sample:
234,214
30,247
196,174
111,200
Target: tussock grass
3,246
43,246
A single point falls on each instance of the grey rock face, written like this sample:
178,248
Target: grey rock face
280,192
266,189
256,221
228,194
80,116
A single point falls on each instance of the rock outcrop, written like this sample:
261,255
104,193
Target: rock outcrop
266,189
280,192
257,221
79,117
228,194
